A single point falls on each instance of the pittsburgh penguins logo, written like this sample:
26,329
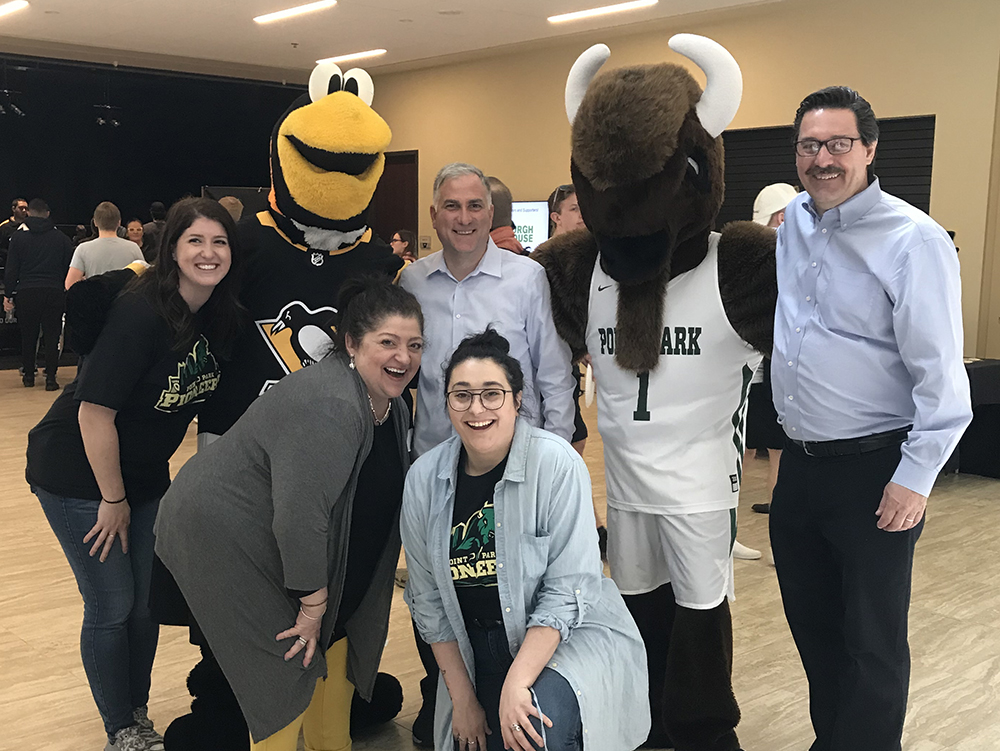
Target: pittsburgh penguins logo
298,336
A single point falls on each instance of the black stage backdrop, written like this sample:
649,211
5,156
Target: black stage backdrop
176,133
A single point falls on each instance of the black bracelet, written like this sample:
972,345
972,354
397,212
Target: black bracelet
105,500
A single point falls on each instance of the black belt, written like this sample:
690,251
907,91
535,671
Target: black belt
852,446
483,623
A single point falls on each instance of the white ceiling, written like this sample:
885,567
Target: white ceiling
223,31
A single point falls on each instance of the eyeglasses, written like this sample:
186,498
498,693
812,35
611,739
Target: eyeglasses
395,240
835,146
461,400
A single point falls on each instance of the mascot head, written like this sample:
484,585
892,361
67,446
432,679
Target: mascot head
647,159
327,155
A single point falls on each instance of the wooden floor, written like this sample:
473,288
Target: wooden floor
45,704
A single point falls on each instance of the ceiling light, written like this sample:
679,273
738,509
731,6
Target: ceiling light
582,14
13,6
298,10
352,56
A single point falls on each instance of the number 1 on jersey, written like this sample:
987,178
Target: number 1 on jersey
641,413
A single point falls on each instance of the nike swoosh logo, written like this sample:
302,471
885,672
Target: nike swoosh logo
601,289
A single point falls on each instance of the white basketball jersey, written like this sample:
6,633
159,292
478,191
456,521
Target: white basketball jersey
673,437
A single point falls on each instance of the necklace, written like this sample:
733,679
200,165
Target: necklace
385,417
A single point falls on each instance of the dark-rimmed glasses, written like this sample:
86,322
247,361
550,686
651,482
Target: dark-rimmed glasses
461,400
836,146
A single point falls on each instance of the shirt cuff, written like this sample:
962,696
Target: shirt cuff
914,477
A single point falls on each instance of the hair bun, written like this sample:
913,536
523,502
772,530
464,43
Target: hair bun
491,339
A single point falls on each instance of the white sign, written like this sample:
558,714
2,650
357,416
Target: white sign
531,223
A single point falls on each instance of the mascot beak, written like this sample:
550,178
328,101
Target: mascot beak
279,326
331,155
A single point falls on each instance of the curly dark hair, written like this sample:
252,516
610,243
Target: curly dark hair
365,301
488,345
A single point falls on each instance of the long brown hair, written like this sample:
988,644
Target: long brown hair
224,315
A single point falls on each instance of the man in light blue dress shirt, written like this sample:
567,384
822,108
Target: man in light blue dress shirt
468,285
871,391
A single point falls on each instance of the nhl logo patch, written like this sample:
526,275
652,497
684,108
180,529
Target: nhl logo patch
317,259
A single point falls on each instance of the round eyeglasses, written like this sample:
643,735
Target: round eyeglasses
837,145
461,400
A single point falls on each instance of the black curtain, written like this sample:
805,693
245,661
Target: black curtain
175,133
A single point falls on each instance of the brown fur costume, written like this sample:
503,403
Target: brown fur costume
649,179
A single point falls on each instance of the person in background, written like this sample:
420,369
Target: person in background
283,534
564,210
763,430
233,205
153,229
872,394
503,227
536,646
404,245
99,459
35,277
564,216
18,213
133,231
108,252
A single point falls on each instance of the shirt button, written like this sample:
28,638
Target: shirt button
794,429
797,329
824,232
499,565
578,591
808,298
814,264
789,363
506,610
458,315
791,398
499,525
579,693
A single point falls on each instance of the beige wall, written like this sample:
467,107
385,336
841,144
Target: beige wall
907,57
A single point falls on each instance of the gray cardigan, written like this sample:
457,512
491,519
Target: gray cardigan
268,507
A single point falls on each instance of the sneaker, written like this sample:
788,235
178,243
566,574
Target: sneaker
51,384
761,508
154,741
128,739
743,553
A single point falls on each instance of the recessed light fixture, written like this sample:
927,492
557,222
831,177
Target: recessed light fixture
12,7
298,10
352,56
602,11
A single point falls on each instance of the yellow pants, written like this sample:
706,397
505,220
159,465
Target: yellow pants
326,723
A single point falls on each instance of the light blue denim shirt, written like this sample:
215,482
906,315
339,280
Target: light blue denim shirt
549,573
868,329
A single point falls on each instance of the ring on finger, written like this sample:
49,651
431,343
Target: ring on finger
302,641
516,728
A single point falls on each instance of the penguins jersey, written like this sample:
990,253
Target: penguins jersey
673,437
291,293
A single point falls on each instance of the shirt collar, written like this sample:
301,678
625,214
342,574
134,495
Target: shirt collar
517,457
852,209
491,263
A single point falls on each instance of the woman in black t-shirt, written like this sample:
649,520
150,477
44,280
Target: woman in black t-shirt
99,459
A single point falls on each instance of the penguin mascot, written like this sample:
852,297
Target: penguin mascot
327,155
675,318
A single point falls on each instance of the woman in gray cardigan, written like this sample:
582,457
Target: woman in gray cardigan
536,646
283,534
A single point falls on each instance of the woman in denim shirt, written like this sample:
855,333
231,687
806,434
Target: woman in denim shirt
535,645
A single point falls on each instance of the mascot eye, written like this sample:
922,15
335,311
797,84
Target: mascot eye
326,78
357,81
694,166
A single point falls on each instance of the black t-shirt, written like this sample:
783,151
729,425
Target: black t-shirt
155,391
376,504
473,550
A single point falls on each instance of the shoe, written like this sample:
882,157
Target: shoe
128,739
743,553
602,542
154,741
761,508
423,728
51,384
28,381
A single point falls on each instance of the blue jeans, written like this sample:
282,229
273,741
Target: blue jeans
118,638
551,692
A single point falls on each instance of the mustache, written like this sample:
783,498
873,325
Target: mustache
817,170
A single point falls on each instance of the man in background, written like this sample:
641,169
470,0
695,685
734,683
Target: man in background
503,227
18,213
36,271
151,230
106,252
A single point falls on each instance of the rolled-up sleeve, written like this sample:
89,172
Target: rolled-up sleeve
422,594
572,579
927,319
552,360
